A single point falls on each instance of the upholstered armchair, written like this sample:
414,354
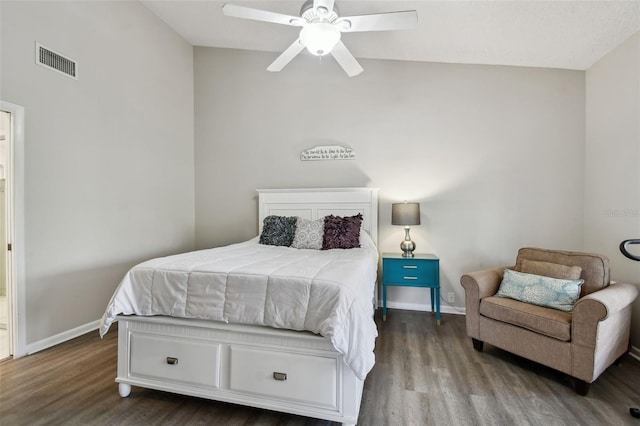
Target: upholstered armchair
581,342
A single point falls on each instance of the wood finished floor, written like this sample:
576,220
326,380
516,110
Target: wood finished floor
424,375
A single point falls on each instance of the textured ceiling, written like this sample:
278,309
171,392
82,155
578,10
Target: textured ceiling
551,34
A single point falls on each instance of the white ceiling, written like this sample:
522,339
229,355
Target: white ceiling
551,34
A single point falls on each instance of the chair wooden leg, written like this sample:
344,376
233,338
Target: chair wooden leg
581,387
477,344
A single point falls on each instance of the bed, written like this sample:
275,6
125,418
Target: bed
303,346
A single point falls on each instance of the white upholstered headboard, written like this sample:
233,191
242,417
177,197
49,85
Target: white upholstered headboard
314,203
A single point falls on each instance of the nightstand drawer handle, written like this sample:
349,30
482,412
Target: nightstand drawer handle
172,360
280,376
409,266
410,278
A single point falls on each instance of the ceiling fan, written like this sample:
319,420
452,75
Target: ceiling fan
322,26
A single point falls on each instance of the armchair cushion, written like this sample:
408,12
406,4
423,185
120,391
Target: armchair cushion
552,270
539,290
595,267
547,321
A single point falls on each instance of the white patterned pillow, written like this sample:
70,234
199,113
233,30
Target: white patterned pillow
539,290
308,234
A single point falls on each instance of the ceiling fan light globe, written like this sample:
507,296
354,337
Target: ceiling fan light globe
320,37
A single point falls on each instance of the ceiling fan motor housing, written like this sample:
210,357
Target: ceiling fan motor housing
321,14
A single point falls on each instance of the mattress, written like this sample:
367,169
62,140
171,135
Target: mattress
327,292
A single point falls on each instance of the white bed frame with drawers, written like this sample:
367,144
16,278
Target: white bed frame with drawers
282,370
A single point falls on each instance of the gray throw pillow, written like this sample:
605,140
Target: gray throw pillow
308,234
278,230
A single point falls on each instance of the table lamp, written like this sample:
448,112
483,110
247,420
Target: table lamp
406,214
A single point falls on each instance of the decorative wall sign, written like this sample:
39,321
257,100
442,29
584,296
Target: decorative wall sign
327,152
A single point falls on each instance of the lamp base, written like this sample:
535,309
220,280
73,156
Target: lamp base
407,252
407,246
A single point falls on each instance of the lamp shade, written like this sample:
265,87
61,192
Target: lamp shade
405,214
320,37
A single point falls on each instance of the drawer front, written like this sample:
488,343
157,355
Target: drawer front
306,379
194,362
410,272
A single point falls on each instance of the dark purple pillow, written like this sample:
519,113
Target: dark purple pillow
341,232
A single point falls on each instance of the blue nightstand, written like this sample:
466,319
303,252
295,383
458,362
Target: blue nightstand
422,270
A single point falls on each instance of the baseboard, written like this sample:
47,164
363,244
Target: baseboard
445,309
62,337
635,352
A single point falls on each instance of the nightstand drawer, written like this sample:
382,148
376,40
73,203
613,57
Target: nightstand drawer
410,272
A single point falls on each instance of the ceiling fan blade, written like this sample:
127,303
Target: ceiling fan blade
286,56
380,21
346,60
260,15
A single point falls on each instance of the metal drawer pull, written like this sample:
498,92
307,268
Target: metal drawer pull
409,266
172,361
280,376
410,278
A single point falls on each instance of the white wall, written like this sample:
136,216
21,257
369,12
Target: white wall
108,158
612,172
495,155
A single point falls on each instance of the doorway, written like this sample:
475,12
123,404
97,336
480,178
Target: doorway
14,245
6,338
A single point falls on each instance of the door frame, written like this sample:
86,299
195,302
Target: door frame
15,231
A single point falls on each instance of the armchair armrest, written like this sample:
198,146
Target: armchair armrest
478,285
601,305
600,329
487,281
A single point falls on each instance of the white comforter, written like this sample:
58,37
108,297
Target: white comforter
328,292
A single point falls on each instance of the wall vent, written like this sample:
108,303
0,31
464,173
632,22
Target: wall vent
55,61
